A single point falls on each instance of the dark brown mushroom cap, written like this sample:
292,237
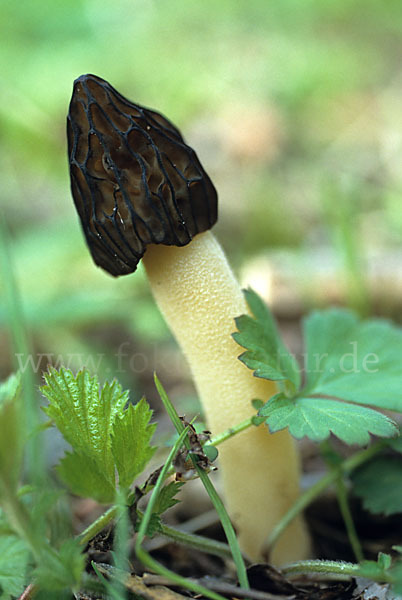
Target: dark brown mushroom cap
134,180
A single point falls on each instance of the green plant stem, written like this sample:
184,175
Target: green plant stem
332,567
204,544
333,460
227,527
12,295
341,214
309,495
121,539
198,542
20,521
144,556
20,344
215,499
228,433
342,496
97,526
341,569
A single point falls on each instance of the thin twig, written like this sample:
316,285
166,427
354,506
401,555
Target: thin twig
29,592
216,586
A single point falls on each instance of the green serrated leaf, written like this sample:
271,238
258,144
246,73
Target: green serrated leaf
355,360
83,476
348,362
166,498
266,354
131,436
12,434
317,418
83,414
14,557
154,526
257,404
62,569
379,484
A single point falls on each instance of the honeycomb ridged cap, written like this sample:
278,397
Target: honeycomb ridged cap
133,178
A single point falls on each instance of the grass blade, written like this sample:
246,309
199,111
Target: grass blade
144,556
215,499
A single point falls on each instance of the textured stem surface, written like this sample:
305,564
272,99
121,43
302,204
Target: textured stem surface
199,297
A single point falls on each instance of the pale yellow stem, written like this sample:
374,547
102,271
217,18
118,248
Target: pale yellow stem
199,298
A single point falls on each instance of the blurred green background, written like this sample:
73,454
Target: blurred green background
294,110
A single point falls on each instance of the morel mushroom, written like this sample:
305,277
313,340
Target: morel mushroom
141,191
